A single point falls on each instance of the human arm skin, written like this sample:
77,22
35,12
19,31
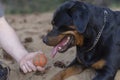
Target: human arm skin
11,44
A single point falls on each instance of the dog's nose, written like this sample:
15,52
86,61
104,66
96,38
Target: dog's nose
45,39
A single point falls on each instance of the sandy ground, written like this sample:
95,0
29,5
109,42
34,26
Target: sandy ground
36,26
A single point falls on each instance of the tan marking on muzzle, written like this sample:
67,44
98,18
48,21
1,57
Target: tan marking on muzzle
53,41
79,39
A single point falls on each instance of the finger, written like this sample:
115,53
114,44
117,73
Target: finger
40,68
23,69
31,66
28,68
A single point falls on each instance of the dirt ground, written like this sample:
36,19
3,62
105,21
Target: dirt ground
35,26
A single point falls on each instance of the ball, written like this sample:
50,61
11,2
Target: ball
40,60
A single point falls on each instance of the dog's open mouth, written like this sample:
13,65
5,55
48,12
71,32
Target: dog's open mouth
63,45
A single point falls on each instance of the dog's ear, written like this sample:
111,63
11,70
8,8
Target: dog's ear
80,15
68,4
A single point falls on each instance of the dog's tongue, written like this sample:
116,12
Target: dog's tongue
56,48
54,51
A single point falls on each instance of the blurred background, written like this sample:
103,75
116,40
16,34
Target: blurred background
30,6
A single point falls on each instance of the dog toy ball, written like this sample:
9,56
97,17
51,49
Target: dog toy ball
40,60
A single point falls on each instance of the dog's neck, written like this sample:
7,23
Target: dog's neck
100,31
91,40
95,25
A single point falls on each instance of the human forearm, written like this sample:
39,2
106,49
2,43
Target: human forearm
10,42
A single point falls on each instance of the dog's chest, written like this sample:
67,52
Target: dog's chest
85,59
88,58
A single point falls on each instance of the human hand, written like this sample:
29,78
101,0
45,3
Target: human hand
26,63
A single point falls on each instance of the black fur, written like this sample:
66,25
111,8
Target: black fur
89,20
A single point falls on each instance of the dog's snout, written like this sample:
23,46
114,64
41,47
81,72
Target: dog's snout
45,39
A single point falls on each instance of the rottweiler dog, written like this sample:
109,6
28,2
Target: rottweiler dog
95,31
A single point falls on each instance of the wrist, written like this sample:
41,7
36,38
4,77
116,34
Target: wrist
20,56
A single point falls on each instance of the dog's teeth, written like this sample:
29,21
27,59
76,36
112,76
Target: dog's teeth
65,43
59,48
68,38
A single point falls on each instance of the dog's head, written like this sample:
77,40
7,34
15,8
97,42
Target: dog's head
69,23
